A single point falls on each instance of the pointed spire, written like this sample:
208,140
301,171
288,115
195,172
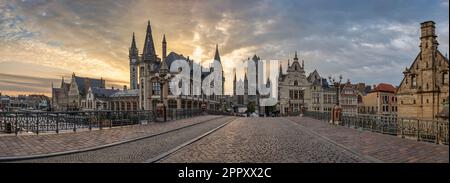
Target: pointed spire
289,63
164,47
149,47
62,82
217,55
234,73
133,42
295,58
303,64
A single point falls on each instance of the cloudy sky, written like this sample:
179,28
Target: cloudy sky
366,41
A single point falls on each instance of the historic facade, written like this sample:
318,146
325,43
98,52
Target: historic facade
97,99
323,96
124,100
424,89
348,99
294,93
149,65
69,96
381,100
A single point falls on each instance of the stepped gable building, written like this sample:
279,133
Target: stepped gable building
70,95
424,90
144,67
348,99
294,93
323,96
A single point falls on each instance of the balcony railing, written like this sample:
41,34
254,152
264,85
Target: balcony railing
56,122
420,129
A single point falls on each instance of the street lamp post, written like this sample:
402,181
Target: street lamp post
336,114
163,77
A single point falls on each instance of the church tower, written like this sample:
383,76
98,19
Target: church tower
148,66
424,88
134,61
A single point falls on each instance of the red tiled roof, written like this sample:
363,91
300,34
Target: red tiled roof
384,87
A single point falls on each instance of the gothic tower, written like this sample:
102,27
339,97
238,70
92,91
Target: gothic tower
134,61
147,65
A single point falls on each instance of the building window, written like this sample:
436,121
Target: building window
445,78
172,104
296,83
128,106
291,94
414,81
156,90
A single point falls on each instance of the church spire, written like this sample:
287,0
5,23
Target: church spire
217,55
149,48
295,58
133,42
164,47
133,49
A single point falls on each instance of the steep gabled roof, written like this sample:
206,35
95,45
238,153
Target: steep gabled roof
103,92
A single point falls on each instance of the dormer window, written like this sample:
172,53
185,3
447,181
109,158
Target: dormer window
414,81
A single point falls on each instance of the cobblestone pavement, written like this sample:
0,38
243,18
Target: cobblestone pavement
137,151
267,140
386,148
24,145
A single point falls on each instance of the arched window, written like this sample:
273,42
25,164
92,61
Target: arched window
295,83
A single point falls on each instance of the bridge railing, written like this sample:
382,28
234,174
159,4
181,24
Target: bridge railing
56,122
420,129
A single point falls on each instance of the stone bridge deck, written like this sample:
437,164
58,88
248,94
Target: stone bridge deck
285,139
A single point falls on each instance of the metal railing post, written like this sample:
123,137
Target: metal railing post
401,128
75,123
57,123
37,126
15,126
437,132
418,130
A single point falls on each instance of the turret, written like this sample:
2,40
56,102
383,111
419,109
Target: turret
164,48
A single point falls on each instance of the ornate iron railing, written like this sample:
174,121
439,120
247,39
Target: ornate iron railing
423,130
44,122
